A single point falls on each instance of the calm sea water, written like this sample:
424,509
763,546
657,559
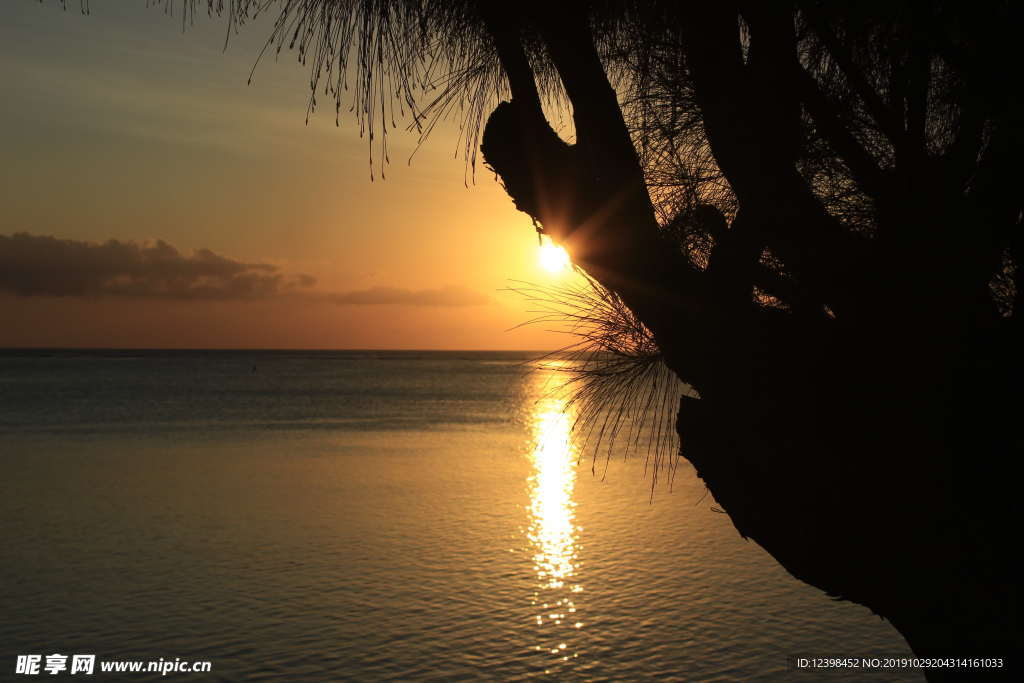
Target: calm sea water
317,516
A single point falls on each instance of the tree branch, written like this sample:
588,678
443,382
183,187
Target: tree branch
505,31
597,201
862,166
756,158
884,117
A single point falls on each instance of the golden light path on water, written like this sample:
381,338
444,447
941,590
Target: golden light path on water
553,531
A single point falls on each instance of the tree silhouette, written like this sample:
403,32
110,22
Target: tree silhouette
814,208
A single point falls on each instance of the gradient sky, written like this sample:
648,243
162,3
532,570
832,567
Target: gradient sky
236,224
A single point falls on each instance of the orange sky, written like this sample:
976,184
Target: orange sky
118,126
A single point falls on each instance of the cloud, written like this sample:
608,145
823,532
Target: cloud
34,265
394,296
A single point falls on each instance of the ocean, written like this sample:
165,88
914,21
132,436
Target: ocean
320,515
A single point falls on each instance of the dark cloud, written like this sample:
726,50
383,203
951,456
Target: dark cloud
34,265
394,296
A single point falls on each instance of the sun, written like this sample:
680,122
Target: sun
553,258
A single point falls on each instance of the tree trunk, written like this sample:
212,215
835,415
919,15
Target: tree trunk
867,452
872,474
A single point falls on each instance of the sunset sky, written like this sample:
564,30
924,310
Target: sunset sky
235,224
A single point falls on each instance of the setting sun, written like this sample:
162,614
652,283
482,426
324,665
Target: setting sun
553,258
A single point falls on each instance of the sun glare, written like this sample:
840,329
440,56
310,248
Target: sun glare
553,258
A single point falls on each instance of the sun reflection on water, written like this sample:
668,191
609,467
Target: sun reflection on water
553,531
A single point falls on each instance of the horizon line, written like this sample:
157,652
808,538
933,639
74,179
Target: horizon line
256,349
